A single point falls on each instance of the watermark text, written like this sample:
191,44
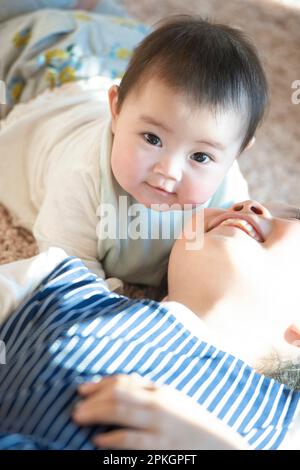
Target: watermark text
125,221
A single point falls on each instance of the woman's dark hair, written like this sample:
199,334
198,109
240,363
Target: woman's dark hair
215,65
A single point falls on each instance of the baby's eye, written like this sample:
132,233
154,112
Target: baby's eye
152,139
201,157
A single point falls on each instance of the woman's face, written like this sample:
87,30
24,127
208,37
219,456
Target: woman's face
247,272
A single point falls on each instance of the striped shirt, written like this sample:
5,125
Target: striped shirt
72,329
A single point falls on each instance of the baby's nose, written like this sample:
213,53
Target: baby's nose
169,167
250,206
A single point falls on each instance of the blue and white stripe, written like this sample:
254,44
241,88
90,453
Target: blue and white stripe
73,329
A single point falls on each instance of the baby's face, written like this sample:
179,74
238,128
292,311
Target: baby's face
166,152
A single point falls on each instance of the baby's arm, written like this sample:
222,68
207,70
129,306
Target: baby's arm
20,278
67,217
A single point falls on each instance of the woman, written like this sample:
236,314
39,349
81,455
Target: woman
71,329
252,312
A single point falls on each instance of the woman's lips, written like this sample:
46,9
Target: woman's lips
243,222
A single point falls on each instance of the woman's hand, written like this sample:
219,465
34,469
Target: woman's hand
151,417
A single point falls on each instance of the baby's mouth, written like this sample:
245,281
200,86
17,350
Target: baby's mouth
161,189
243,225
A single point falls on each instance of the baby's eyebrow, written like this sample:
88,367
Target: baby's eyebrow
211,143
154,122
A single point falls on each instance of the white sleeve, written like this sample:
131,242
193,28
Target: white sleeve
234,188
20,278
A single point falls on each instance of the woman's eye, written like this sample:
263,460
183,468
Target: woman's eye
201,157
152,139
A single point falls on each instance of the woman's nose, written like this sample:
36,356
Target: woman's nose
250,206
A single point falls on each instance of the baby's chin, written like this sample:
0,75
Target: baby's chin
157,206
163,203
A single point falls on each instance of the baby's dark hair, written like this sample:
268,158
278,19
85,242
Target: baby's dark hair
215,65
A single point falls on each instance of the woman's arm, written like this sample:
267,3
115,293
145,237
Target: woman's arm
151,417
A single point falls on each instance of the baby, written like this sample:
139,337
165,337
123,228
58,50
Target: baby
186,108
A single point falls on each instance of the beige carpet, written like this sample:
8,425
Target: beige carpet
272,167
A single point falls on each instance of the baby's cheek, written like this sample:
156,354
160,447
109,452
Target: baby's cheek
123,163
140,169
199,191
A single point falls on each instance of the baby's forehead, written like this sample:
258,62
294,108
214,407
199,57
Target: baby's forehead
194,99
173,109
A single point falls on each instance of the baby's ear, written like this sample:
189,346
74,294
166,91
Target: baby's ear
250,144
113,95
292,335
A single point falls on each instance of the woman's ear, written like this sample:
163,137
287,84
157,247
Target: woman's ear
292,335
113,94
250,144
